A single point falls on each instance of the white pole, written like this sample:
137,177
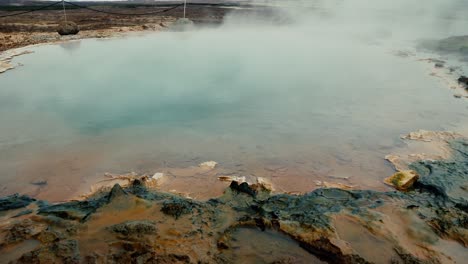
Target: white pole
185,5
64,12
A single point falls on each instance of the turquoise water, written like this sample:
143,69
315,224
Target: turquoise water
254,100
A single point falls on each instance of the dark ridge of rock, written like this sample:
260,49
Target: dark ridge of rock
438,201
116,192
68,28
25,212
407,258
243,188
15,201
326,251
137,228
463,80
311,208
75,210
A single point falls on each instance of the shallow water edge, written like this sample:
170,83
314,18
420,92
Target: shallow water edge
137,223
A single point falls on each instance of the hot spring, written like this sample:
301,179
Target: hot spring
293,104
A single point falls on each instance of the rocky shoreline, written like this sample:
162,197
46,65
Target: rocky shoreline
137,224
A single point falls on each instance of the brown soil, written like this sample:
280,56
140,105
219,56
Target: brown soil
40,27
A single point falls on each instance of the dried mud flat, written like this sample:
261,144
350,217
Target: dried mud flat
139,224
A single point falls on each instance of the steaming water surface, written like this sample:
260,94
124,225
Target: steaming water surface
291,105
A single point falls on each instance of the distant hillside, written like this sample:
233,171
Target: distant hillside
17,2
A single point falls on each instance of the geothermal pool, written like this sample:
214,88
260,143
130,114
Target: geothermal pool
291,105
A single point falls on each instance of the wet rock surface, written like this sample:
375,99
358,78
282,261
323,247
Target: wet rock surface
14,202
134,228
139,225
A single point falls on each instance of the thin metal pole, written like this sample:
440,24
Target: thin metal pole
185,5
64,12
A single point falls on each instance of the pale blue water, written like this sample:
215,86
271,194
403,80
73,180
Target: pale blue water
246,98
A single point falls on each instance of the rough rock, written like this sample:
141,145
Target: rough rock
137,228
60,252
116,192
402,180
68,28
15,201
243,188
24,212
444,178
48,236
177,207
463,80
434,210
21,231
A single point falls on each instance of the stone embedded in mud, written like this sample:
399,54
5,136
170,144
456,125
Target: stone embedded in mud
243,188
39,183
402,180
15,201
68,28
48,236
177,207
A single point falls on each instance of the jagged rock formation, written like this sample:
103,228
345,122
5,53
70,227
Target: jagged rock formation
137,225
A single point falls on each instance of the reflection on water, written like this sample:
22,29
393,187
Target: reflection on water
291,107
